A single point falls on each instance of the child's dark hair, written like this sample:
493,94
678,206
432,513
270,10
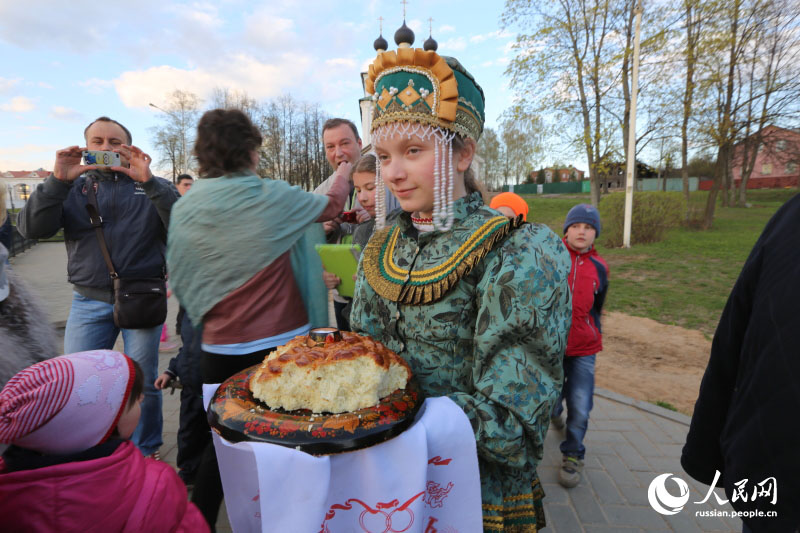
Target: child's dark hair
471,183
136,391
138,385
367,163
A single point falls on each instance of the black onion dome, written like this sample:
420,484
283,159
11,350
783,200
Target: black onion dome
430,44
380,43
404,35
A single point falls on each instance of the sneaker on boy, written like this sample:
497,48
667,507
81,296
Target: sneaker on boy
588,279
571,469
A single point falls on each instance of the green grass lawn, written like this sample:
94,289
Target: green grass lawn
686,278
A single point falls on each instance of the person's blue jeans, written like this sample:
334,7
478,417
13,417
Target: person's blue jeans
578,391
90,326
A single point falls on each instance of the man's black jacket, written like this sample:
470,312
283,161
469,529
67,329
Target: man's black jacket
746,422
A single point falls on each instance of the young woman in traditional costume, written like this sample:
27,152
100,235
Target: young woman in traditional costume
477,303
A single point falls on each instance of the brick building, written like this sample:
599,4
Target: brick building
777,159
564,174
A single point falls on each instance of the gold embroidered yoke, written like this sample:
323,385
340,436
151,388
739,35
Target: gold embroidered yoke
481,313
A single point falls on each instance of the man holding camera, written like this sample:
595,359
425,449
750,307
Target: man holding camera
134,208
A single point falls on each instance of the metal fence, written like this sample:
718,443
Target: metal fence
19,243
566,187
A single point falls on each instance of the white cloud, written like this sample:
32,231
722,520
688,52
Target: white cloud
415,25
18,104
96,85
45,24
498,34
192,31
27,156
365,65
266,30
6,84
453,45
44,85
65,113
204,15
446,29
258,79
344,62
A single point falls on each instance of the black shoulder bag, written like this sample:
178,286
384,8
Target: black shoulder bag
139,303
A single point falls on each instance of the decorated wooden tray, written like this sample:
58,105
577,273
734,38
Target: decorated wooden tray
237,416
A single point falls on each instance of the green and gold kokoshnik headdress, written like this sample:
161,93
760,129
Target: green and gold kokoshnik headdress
415,85
418,92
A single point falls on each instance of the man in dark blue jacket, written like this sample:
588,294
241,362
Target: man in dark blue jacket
135,208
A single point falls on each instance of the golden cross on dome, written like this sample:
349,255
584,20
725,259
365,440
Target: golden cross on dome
430,25
380,21
404,2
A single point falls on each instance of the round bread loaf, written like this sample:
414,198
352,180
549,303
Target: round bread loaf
336,377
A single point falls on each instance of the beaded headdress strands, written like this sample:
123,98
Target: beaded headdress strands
418,92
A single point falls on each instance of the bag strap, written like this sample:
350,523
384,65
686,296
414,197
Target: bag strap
97,224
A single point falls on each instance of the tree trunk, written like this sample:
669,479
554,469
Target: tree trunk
691,44
725,128
719,179
748,163
626,61
594,189
731,181
708,216
725,188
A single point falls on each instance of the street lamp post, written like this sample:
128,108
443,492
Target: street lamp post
180,119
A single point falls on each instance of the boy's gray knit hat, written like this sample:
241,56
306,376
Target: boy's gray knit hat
586,213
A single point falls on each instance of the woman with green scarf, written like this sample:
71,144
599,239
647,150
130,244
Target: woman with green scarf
241,262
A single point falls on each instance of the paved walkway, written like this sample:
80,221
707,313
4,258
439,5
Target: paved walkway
629,442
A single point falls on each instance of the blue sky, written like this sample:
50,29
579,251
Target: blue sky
65,63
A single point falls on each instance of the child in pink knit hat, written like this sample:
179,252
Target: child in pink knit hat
70,466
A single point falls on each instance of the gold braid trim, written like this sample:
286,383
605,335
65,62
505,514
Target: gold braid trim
526,518
417,287
521,528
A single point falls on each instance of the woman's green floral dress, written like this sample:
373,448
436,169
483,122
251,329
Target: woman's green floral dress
491,336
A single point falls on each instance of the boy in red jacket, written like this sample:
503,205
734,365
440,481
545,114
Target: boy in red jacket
588,279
